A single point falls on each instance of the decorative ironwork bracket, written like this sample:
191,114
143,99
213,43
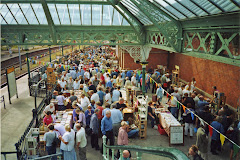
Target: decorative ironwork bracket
138,52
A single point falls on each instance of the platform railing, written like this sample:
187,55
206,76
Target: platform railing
7,153
34,123
49,157
171,153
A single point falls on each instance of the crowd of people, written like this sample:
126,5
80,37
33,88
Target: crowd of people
98,111
224,119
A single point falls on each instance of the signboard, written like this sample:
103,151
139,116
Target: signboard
11,83
176,135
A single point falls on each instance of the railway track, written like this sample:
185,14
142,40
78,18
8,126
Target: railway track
14,62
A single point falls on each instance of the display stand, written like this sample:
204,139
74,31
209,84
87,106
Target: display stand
11,83
51,78
171,126
142,116
31,141
176,135
175,75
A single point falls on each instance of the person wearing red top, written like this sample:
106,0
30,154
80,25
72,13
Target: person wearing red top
100,116
102,79
47,119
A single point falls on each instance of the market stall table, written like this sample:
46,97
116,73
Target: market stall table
171,126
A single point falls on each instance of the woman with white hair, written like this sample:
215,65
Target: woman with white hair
122,135
67,144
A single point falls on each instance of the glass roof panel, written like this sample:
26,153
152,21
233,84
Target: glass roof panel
116,18
40,13
5,12
28,12
228,6
53,13
193,7
181,8
171,9
96,14
75,14
86,14
63,14
125,22
18,13
174,8
15,11
107,15
208,6
136,12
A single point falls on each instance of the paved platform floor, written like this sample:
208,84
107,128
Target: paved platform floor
16,117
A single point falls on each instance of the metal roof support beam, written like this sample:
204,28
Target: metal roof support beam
234,2
216,5
132,20
23,13
4,19
50,21
57,1
12,14
172,30
34,13
231,19
57,14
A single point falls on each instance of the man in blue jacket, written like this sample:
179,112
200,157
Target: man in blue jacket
94,126
215,141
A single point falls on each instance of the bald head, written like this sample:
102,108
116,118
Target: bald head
126,154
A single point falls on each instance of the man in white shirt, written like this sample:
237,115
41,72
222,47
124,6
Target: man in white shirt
94,96
107,78
63,84
81,142
134,80
84,102
87,76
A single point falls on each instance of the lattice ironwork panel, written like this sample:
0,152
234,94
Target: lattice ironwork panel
157,38
225,44
78,38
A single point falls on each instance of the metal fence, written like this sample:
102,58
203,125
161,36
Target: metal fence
35,122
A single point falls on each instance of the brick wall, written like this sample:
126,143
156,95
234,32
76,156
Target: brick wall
209,73
156,57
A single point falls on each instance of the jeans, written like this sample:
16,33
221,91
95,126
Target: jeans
133,133
116,127
152,120
190,127
61,107
174,111
51,150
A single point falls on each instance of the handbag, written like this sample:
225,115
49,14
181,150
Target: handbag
56,141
